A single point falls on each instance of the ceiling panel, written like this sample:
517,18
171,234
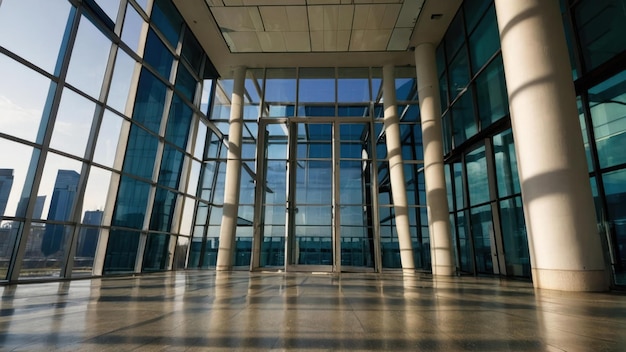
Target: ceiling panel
297,41
345,15
272,42
316,18
238,19
369,40
317,40
244,42
297,17
343,40
390,16
409,13
399,39
332,25
274,18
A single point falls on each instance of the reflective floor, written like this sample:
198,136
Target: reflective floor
202,310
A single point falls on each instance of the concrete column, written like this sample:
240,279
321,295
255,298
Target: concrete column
432,139
565,247
396,168
228,228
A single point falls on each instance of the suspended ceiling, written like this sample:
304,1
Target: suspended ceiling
315,33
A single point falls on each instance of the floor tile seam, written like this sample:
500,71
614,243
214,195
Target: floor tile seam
568,329
128,327
28,317
580,316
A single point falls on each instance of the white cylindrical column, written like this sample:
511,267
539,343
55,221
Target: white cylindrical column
228,228
432,139
565,247
396,168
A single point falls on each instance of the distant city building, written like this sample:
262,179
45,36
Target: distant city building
23,204
60,209
6,182
86,246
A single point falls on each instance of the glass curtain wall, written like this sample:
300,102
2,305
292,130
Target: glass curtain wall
484,196
598,52
309,121
413,156
98,106
475,118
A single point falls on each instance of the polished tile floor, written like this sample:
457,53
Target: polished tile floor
208,311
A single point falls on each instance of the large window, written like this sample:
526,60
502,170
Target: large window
95,158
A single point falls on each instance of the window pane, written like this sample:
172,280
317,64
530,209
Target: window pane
465,247
607,102
481,229
140,153
485,40
476,166
201,138
121,81
506,164
86,246
514,237
121,251
95,197
171,165
157,55
615,191
314,182
280,92
58,187
474,9
89,59
454,36
493,102
25,97
194,178
48,244
13,176
186,83
458,185
34,29
150,101
155,255
443,92
10,230
405,83
601,24
317,85
353,183
108,137
131,31
132,199
192,51
73,123
162,210
109,7
186,221
167,20
458,74
463,119
353,85
178,123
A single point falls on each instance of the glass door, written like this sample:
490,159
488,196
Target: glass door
315,204
310,202
356,190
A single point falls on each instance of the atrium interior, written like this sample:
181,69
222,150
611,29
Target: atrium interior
459,147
